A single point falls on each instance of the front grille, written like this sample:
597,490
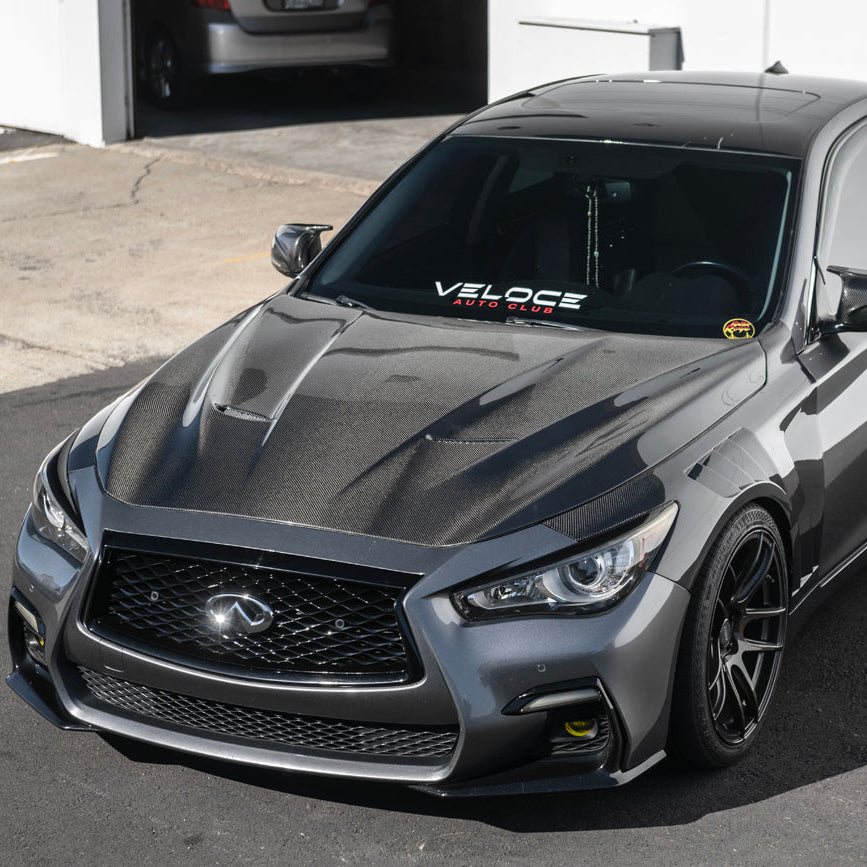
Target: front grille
288,729
324,627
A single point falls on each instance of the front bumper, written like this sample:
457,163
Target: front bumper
227,47
472,671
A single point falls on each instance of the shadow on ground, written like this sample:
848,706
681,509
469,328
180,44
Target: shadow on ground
12,139
258,101
816,730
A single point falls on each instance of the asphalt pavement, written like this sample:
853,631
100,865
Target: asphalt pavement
109,261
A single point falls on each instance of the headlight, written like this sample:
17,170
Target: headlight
584,583
50,513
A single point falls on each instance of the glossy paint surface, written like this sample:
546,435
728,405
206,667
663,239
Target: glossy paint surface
447,450
730,111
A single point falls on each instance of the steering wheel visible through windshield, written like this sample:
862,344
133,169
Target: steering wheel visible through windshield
618,237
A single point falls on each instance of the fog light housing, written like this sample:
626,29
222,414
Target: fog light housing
32,627
587,736
35,645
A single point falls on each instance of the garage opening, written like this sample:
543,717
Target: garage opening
248,66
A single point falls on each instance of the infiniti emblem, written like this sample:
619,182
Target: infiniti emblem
238,614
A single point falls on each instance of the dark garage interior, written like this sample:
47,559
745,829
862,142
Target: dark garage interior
439,67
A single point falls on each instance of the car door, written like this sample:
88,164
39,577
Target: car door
838,362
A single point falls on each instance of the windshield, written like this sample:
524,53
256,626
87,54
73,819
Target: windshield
601,235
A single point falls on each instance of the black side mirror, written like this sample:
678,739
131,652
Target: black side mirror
295,245
852,312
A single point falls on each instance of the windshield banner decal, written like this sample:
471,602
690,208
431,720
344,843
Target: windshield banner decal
514,298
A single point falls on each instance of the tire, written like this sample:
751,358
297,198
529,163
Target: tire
732,645
167,81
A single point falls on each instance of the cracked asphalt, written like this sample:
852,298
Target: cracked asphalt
111,256
110,261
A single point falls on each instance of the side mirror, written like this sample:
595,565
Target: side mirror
852,312
295,245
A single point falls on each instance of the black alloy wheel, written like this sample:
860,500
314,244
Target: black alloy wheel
732,644
167,81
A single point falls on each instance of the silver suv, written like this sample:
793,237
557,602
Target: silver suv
180,41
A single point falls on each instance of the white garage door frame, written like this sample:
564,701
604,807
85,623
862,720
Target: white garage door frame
67,68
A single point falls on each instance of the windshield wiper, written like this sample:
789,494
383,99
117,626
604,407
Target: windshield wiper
545,323
347,301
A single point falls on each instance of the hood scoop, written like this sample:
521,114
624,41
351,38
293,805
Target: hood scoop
242,414
437,438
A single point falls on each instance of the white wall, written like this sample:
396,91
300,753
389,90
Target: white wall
64,68
815,38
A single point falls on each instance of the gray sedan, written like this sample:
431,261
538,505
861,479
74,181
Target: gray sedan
524,482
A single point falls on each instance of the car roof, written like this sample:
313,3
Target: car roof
764,112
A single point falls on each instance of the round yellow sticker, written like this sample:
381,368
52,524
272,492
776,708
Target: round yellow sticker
737,329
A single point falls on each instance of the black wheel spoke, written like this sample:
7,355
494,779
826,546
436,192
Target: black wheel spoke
734,699
718,704
752,577
716,686
719,617
745,689
755,645
715,679
751,614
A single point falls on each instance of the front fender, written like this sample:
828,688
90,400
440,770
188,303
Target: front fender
738,470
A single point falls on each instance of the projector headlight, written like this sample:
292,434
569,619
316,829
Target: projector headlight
584,583
51,510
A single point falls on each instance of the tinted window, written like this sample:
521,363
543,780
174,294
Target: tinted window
626,238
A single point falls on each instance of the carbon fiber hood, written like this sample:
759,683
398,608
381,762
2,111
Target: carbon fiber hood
429,431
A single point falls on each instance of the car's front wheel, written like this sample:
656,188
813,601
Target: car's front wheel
732,644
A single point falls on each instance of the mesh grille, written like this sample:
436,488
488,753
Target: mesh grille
578,747
306,732
322,626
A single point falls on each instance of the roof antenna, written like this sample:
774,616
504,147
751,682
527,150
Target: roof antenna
777,69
